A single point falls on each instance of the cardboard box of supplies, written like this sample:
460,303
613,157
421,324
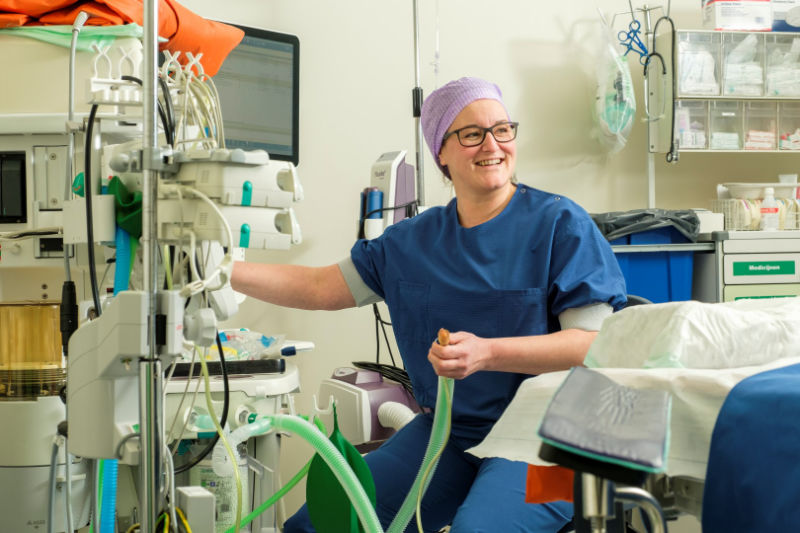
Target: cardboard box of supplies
785,15
743,15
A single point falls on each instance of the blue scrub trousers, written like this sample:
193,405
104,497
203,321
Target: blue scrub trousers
472,494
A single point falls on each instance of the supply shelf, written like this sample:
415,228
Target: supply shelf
735,92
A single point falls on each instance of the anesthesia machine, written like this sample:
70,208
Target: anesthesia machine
124,196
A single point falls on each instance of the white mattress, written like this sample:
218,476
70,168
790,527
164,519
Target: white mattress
697,396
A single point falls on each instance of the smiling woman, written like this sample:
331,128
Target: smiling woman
521,277
470,134
481,166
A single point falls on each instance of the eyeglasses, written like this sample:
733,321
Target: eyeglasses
474,135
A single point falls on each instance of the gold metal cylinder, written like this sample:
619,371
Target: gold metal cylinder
31,363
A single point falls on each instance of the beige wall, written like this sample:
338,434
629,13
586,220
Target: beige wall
357,72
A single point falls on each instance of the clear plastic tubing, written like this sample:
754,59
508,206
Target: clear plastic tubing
439,437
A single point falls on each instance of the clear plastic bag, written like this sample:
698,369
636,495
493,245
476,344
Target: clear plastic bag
615,103
243,344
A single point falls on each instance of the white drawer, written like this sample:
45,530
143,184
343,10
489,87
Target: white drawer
740,269
777,290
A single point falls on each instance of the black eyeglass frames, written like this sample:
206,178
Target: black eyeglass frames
472,135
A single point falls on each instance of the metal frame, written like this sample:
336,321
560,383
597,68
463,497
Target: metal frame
151,416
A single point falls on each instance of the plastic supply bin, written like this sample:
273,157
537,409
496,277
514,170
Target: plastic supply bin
760,125
691,124
789,126
726,125
658,276
783,72
743,64
699,65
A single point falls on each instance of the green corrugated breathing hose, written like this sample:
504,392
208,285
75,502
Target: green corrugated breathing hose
280,493
338,464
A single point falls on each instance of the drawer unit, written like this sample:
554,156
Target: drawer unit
749,264
741,269
778,290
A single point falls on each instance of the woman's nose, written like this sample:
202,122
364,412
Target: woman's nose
489,142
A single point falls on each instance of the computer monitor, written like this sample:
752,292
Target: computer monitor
258,86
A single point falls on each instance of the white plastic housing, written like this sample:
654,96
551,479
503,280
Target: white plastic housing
103,224
263,227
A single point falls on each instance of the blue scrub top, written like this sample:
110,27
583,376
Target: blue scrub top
510,276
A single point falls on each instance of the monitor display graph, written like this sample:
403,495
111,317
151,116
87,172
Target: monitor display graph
258,85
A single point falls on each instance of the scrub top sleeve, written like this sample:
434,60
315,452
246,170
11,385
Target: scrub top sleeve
588,318
583,269
369,261
362,294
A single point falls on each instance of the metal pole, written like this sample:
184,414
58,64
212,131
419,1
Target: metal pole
651,161
150,377
417,122
651,180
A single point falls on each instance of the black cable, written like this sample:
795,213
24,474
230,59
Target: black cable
188,273
226,399
380,322
377,342
395,208
393,373
169,107
87,193
166,122
411,210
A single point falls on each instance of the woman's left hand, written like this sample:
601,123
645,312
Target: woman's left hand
466,354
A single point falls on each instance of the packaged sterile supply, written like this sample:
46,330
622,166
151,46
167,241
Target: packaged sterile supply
782,53
243,344
699,66
743,57
747,15
770,220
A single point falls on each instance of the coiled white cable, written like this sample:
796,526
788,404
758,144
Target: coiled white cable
225,268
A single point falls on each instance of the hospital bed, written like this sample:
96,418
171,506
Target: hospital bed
738,455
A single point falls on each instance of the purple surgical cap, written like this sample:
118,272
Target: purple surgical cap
445,103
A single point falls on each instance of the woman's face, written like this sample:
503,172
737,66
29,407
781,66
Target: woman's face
487,166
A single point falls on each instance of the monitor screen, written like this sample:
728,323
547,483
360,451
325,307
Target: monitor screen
258,86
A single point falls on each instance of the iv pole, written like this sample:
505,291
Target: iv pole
417,105
150,376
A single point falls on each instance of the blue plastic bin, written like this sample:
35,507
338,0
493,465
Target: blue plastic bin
657,276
